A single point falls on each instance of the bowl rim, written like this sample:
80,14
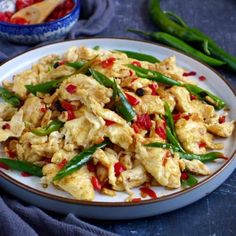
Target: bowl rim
120,204
45,24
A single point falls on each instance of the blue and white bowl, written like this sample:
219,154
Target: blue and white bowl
37,33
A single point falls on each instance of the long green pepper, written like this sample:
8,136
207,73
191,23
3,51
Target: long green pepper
9,97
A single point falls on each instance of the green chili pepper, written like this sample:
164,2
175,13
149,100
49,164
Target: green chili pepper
205,95
85,68
47,87
9,97
96,48
122,105
175,18
53,126
173,140
169,118
188,34
190,181
211,156
23,166
153,75
140,56
101,78
77,65
78,161
181,45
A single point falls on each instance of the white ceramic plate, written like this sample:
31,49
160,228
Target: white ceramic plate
105,207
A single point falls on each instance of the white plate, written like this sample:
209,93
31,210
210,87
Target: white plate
30,190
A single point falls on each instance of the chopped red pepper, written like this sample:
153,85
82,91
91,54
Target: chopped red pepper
43,109
67,106
71,88
109,122
25,174
202,78
136,63
223,157
134,79
153,87
63,62
119,168
186,116
108,62
135,127
11,153
160,130
202,144
144,121
6,126
222,119
184,175
131,73
4,166
149,192
192,97
138,199
62,164
71,115
19,21
176,117
96,184
131,99
23,3
191,73
91,167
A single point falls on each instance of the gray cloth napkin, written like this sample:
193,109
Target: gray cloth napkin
18,219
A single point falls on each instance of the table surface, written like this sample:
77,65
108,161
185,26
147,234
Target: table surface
216,213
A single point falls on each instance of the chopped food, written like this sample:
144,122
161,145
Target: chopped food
99,122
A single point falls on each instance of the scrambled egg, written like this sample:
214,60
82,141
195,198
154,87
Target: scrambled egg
89,115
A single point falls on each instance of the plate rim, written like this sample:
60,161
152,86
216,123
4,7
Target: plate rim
118,204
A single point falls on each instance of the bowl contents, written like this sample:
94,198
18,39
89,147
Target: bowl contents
60,11
94,120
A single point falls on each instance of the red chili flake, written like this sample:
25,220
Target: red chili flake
192,97
132,100
4,166
63,62
186,116
153,87
136,63
202,78
184,175
6,126
71,88
144,121
138,199
108,62
161,132
135,127
149,192
62,164
119,168
222,119
191,73
134,79
96,184
176,117
202,144
109,122
43,109
11,153
67,106
19,21
223,157
25,174
71,115
91,167
131,73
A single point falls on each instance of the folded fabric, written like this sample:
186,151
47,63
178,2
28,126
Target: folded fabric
16,218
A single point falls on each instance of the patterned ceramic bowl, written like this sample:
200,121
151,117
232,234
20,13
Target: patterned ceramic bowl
33,34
